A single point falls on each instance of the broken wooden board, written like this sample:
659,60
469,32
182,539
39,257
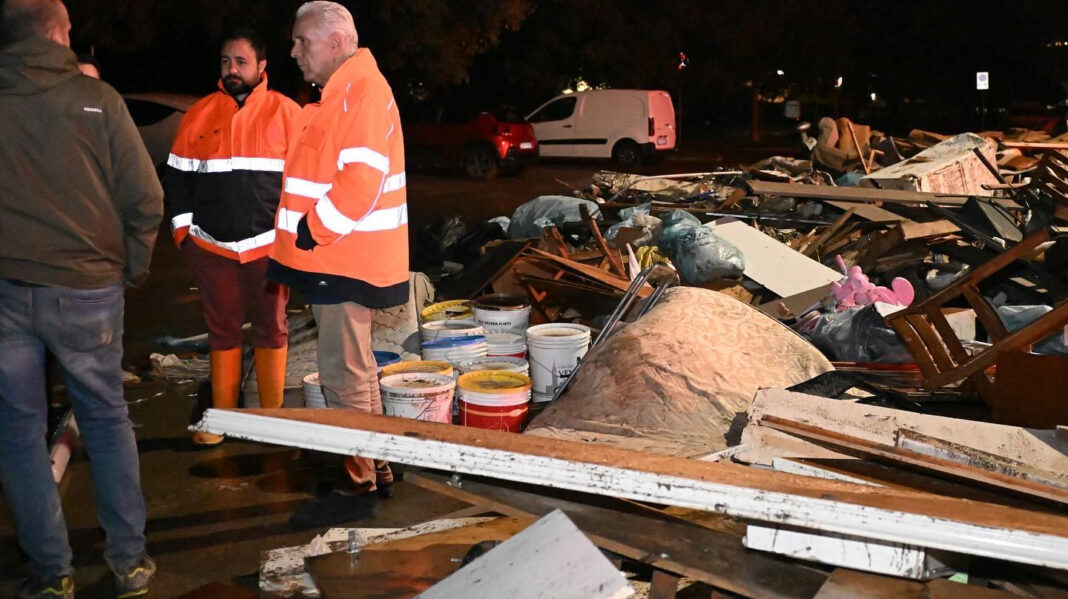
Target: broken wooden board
848,584
877,557
703,552
551,559
868,212
897,516
601,276
282,569
1040,449
782,270
865,194
960,471
385,574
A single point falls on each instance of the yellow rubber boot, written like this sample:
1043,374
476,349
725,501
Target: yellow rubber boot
225,387
271,375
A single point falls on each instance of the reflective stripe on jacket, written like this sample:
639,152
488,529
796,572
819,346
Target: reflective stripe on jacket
224,174
345,172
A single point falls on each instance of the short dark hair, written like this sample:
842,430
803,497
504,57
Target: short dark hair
21,19
250,35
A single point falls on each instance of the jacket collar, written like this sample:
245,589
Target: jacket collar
259,90
353,68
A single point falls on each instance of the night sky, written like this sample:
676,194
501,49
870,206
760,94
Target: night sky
919,58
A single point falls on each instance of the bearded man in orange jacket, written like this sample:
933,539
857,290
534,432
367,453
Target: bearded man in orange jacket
222,181
342,229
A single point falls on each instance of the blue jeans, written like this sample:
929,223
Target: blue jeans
83,329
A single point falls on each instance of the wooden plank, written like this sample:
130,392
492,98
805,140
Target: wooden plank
1046,145
887,514
869,212
933,464
850,584
551,559
394,574
774,265
814,248
663,585
914,230
701,553
590,272
863,194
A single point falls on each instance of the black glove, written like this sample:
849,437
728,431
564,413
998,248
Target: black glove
305,241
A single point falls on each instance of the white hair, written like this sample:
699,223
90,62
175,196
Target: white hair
333,18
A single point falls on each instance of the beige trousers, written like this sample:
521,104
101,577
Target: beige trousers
349,377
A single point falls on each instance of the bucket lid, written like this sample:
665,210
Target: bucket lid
494,381
451,325
502,337
452,342
493,363
384,358
447,310
501,301
416,380
416,366
563,329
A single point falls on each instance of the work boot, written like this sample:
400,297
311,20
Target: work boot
271,375
225,387
335,508
59,588
134,582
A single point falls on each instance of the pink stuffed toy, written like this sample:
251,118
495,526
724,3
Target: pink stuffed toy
856,290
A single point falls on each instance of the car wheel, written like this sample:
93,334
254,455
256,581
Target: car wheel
626,153
480,163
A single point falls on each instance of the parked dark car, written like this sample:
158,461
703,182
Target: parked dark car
481,144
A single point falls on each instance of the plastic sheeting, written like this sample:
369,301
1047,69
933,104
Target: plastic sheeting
544,211
698,253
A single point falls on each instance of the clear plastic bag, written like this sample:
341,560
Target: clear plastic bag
1017,317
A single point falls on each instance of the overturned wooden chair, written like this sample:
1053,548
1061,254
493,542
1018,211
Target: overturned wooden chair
939,354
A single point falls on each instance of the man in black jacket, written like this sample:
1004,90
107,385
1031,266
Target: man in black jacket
80,206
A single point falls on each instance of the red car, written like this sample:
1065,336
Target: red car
481,145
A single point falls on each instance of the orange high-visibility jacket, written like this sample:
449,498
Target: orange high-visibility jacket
224,174
344,173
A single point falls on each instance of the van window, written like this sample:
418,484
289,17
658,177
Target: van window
556,110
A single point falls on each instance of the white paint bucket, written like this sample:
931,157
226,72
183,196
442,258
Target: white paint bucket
502,312
436,330
313,391
506,364
513,345
455,350
554,351
420,396
494,400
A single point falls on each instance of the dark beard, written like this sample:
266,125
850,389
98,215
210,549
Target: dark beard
235,86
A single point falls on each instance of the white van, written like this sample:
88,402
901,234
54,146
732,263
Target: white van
625,125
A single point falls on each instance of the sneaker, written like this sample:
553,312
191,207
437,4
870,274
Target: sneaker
335,508
59,588
134,582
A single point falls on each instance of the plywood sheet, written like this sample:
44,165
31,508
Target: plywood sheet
782,270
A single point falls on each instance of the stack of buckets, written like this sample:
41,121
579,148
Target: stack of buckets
452,341
554,351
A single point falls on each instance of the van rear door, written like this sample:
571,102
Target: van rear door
661,120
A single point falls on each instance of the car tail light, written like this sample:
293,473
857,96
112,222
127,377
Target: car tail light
652,127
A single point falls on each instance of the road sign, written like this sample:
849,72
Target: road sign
982,80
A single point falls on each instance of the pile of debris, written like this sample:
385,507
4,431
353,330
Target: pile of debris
842,377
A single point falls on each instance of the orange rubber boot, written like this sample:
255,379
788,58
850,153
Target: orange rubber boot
225,387
271,375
